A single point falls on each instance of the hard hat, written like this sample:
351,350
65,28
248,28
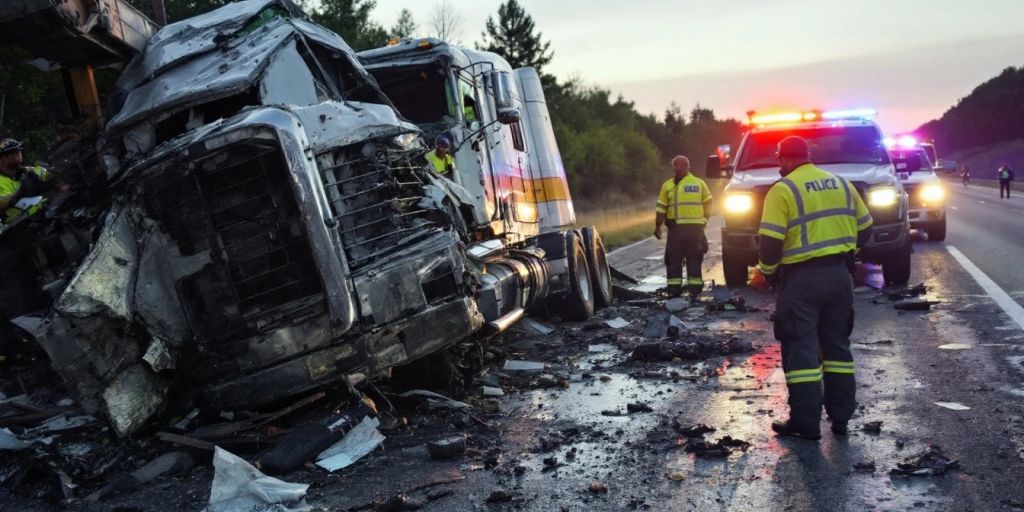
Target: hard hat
9,145
792,147
442,140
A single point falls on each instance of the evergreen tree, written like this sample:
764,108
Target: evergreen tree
405,27
351,20
514,37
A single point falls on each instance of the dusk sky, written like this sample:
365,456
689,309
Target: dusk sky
910,59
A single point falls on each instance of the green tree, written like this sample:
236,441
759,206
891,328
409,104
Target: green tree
405,26
514,37
351,20
33,102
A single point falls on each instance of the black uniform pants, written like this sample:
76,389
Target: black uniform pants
685,245
1004,185
813,320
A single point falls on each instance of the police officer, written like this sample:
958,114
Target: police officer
441,157
685,202
812,224
1005,175
18,183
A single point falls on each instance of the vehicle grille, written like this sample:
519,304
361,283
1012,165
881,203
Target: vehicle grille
375,194
242,210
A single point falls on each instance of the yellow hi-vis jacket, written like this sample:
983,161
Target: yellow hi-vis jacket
684,201
815,213
8,187
441,165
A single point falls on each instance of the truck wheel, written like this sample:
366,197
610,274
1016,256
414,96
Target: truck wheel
735,269
579,303
597,260
896,268
937,230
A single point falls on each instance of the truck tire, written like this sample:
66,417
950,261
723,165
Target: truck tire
936,230
578,304
597,260
735,270
896,268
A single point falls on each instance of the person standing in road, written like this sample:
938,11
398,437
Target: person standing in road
812,225
441,157
1005,175
685,203
965,175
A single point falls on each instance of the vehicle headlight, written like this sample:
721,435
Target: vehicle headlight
882,196
738,203
933,193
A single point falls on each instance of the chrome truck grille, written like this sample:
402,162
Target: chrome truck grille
375,195
242,211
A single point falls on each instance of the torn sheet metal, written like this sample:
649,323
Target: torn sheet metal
361,440
240,487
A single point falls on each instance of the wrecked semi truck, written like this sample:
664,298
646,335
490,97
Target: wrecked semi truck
275,227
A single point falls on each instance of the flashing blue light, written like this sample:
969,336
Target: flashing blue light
857,113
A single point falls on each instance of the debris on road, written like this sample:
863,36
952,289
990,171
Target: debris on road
436,399
907,293
690,347
523,366
240,487
528,324
634,407
359,441
166,464
915,304
626,294
930,463
676,304
598,488
953,406
865,467
447,448
492,391
617,323
872,427
697,430
718,449
956,346
499,496
618,274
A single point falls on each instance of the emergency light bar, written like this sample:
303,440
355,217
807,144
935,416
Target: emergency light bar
754,118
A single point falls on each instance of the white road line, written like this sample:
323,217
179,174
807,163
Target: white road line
1003,299
634,244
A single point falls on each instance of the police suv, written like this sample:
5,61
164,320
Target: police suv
846,143
915,167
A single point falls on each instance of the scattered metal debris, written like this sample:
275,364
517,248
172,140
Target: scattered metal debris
953,406
915,304
447,448
718,449
240,487
930,463
523,366
873,427
359,441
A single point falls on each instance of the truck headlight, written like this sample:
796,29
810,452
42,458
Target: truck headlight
933,193
738,203
882,196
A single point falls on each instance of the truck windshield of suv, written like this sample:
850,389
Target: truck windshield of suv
831,145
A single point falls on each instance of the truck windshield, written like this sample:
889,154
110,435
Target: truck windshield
421,95
831,145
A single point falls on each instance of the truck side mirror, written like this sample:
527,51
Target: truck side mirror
714,170
500,83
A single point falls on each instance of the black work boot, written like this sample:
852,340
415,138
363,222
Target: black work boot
674,290
839,428
786,428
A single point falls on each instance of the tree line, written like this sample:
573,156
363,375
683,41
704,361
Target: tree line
993,112
611,151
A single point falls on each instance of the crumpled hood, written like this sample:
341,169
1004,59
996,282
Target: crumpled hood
868,173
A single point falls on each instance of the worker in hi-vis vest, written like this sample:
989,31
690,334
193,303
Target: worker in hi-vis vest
812,224
684,203
441,157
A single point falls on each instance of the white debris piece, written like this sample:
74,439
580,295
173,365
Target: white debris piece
956,346
492,391
676,304
523,366
953,406
617,323
240,487
530,324
674,321
359,441
436,399
9,441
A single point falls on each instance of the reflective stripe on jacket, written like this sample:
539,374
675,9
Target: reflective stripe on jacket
815,213
684,201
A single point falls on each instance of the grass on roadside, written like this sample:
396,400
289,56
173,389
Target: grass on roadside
621,225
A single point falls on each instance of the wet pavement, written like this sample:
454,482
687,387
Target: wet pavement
596,430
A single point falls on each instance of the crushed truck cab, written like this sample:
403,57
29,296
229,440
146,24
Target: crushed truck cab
845,143
275,229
